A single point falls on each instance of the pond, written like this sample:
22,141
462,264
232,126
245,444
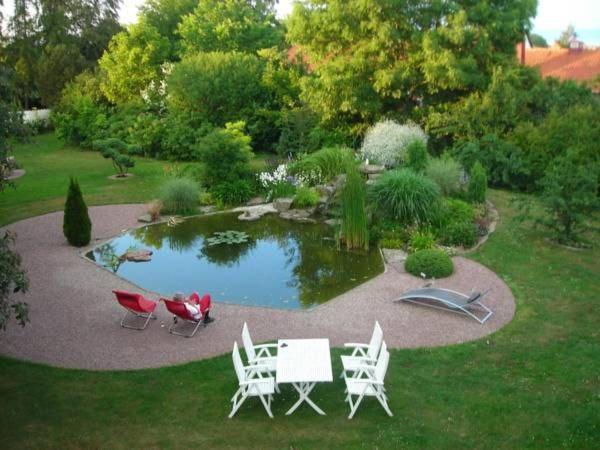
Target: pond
279,264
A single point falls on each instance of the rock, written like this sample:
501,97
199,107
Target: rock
299,215
255,212
373,176
393,255
145,218
283,204
249,216
207,209
370,169
136,255
339,182
256,201
325,190
333,222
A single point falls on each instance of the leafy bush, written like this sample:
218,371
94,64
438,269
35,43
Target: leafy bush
354,232
179,196
233,192
569,197
182,132
117,151
446,172
502,160
387,141
225,153
306,197
323,165
477,184
78,120
417,156
431,263
13,279
77,226
460,233
405,196
421,240
454,210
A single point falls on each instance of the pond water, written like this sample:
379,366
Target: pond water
282,264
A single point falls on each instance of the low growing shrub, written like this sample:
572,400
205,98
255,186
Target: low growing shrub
406,197
430,263
477,187
460,233
455,210
179,196
421,240
446,172
306,197
387,141
232,192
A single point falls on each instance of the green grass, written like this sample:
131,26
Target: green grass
535,383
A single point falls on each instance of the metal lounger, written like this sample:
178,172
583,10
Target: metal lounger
450,301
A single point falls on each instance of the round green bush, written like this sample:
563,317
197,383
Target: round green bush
431,263
454,210
406,197
179,196
460,233
233,192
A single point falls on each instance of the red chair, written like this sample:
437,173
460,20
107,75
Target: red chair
137,305
179,311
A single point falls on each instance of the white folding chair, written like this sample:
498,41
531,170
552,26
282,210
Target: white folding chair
363,353
369,381
252,384
259,354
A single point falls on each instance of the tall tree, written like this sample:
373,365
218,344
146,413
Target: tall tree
231,25
382,57
567,36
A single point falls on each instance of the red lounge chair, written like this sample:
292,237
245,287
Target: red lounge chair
137,305
179,311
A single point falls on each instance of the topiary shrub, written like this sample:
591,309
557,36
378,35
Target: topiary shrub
417,156
405,196
179,196
477,184
117,151
233,192
446,173
430,263
387,141
306,197
77,226
460,233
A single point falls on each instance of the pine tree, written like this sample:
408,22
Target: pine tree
77,226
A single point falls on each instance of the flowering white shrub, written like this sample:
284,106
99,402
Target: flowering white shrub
386,142
155,93
268,179
310,177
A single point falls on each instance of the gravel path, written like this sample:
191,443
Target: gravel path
75,319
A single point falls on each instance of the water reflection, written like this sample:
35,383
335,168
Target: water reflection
282,264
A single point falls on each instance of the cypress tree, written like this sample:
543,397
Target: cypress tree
77,225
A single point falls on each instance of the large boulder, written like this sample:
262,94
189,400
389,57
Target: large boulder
283,204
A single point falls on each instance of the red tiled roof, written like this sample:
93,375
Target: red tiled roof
579,65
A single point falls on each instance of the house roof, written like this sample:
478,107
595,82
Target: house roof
579,65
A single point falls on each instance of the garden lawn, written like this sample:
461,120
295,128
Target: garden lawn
534,383
49,164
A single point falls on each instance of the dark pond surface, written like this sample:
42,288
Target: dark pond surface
282,265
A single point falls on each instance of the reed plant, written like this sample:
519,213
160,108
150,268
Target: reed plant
354,232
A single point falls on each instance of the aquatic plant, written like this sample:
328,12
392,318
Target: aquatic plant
227,237
354,232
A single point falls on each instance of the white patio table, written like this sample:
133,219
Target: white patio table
303,363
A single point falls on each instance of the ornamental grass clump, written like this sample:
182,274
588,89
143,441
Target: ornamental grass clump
387,141
306,197
354,232
429,264
179,196
322,165
446,172
406,197
77,226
